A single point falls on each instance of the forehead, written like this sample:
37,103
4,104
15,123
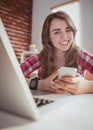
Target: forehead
58,23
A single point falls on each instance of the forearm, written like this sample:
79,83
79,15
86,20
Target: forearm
28,81
40,83
89,86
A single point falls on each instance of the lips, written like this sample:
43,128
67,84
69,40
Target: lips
63,42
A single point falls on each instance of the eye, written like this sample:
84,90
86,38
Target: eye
68,30
57,32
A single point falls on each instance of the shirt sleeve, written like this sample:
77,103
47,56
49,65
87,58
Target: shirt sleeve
32,63
86,61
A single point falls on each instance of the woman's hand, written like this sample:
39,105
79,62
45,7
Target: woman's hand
48,84
75,85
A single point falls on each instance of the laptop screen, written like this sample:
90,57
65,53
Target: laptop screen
15,96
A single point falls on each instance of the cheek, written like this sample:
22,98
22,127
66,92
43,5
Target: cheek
71,37
53,39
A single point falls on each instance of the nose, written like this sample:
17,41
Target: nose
63,35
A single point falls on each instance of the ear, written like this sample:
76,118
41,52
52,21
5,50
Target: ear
88,75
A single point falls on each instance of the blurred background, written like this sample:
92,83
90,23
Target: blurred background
23,21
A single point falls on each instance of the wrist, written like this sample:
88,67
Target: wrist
33,83
90,86
40,85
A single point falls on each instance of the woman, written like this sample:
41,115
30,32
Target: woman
59,49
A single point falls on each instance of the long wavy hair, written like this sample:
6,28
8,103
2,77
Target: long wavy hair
47,52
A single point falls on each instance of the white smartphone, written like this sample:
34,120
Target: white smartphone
67,71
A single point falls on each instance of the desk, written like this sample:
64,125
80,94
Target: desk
79,116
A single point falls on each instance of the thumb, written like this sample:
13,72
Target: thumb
78,75
54,75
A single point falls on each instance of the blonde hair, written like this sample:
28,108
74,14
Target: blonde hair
47,53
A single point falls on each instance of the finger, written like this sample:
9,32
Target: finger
55,90
60,91
59,84
71,88
70,79
78,75
64,87
68,87
74,92
56,87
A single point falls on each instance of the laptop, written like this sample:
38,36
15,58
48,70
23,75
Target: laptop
15,95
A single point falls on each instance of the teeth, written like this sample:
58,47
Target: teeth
63,42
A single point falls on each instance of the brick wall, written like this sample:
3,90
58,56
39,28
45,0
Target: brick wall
17,19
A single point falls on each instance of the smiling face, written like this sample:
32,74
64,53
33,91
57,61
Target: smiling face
61,35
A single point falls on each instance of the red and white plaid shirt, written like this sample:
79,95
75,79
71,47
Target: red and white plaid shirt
33,63
85,62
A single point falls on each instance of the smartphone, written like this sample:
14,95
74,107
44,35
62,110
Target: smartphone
67,71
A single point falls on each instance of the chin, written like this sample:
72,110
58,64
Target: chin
65,49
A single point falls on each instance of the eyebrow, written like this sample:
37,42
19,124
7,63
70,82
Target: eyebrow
58,29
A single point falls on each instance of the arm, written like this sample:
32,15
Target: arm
47,84
88,75
28,81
